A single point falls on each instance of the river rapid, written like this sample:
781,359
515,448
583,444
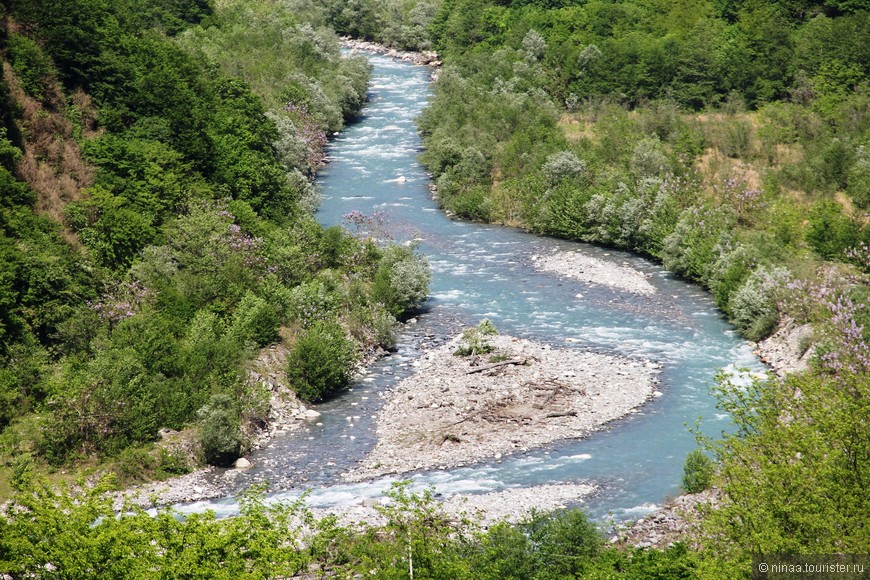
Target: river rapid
482,271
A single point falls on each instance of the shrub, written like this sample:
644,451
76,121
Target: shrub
561,166
321,362
475,339
564,543
220,435
134,464
372,324
753,306
649,159
402,279
859,178
472,205
255,321
31,65
312,301
22,472
171,464
697,472
830,232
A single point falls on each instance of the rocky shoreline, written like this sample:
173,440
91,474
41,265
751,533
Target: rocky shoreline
458,411
429,58
788,349
677,521
286,413
580,266
512,505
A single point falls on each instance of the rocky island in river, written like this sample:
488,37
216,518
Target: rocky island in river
458,410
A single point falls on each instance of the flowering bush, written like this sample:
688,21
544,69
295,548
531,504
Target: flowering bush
753,307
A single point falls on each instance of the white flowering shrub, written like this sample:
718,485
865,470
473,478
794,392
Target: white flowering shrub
563,165
753,306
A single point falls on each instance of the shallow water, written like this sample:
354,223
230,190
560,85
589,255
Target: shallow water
486,271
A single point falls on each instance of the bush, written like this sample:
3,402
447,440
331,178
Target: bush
831,232
649,159
31,65
313,301
220,435
859,178
134,464
697,472
372,324
753,307
475,339
321,362
561,166
255,321
22,472
402,280
564,543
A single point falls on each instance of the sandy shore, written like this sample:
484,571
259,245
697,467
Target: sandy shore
580,266
452,413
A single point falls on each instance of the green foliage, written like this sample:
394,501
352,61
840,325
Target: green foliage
255,320
321,362
752,307
697,472
475,339
22,472
31,65
561,166
564,544
134,465
77,533
219,431
791,473
830,232
187,246
401,282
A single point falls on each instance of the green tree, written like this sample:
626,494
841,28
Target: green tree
321,362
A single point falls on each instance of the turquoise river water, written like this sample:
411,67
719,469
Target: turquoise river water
486,271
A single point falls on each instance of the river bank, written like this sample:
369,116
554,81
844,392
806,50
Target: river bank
485,271
286,413
785,351
457,410
429,58
512,505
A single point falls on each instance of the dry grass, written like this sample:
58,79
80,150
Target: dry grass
52,164
576,127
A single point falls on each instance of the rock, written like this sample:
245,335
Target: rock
242,463
311,414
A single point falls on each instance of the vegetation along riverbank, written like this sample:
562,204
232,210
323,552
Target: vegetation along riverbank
157,241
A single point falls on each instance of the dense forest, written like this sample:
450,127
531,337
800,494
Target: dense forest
157,228
156,231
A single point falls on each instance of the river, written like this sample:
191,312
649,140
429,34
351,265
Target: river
486,271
